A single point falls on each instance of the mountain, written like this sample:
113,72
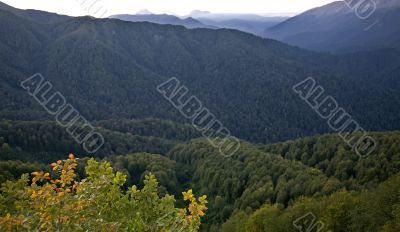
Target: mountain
110,69
250,26
161,19
251,23
35,15
337,28
230,16
144,11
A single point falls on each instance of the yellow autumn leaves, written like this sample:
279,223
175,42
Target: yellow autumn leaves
58,201
196,207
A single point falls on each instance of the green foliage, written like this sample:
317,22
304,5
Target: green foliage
248,179
137,166
96,203
151,127
330,154
47,141
374,210
11,170
394,224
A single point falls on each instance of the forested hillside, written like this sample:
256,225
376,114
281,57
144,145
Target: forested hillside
331,155
247,180
109,69
47,141
379,67
373,210
281,173
152,127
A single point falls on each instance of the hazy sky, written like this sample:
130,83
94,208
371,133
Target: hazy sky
103,8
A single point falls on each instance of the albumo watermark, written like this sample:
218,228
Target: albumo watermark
338,119
93,7
363,8
309,223
201,118
65,114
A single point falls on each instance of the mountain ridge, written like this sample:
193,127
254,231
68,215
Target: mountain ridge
188,22
323,28
35,15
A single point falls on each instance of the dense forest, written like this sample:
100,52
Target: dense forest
334,158
46,141
377,209
156,171
258,181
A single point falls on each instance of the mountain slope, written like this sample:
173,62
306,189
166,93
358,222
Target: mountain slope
48,141
373,210
336,28
380,67
332,156
109,69
247,180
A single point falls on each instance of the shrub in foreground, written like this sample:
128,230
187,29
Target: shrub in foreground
58,201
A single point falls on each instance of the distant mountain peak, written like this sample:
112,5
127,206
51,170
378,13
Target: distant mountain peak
144,12
199,13
162,19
